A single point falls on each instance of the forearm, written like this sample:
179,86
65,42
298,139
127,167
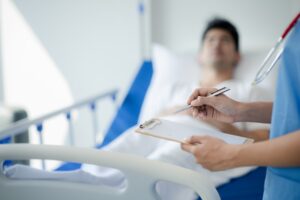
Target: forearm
257,135
254,112
279,152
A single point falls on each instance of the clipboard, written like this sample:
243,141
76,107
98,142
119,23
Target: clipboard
177,132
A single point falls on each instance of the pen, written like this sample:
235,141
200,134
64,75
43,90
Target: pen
215,93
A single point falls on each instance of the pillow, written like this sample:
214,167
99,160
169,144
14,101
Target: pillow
170,68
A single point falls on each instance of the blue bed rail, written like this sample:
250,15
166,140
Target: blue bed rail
128,112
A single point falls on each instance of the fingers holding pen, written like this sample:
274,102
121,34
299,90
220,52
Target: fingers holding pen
200,92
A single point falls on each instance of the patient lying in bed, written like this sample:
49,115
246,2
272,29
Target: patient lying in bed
166,151
218,57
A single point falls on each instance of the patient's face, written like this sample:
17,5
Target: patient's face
218,50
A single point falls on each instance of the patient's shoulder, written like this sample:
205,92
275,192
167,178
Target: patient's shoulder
245,91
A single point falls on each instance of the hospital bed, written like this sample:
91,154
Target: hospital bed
246,187
141,175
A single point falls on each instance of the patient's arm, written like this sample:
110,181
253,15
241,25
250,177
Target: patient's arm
257,135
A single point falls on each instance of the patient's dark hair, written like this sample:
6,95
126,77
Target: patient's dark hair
220,23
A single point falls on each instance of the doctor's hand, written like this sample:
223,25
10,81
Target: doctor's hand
212,153
220,107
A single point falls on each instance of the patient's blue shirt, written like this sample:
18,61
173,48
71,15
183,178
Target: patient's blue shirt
284,183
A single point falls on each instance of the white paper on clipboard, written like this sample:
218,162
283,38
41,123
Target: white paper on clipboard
177,132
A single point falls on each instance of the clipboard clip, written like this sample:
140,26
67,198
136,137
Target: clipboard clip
150,124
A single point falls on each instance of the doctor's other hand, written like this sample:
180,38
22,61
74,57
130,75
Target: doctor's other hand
212,153
221,107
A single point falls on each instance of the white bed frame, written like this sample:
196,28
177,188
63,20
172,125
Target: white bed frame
141,174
